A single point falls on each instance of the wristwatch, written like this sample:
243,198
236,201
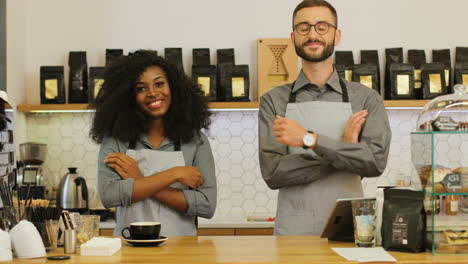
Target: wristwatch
308,140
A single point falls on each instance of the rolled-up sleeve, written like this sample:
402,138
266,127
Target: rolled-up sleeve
368,158
278,167
113,190
202,201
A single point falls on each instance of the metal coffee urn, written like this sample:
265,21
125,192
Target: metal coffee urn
73,192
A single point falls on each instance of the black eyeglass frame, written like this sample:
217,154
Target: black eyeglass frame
315,27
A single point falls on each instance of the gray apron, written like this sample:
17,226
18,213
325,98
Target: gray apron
304,209
173,223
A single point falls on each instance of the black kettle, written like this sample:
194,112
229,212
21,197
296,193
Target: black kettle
73,192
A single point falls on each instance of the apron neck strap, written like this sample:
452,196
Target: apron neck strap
344,93
132,144
177,145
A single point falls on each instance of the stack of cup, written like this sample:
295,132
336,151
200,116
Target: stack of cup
5,247
27,241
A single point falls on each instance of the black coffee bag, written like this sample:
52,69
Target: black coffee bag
346,59
52,85
225,56
96,79
201,57
401,81
205,76
174,56
371,57
403,221
78,78
461,73
392,55
238,88
443,56
112,54
461,54
417,58
225,65
367,74
433,80
223,78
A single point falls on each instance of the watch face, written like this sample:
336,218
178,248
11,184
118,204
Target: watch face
308,139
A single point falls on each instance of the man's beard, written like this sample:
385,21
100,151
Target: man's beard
326,53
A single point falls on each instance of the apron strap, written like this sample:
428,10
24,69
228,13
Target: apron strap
131,144
177,145
292,95
344,90
344,95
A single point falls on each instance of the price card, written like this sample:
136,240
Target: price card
453,182
444,123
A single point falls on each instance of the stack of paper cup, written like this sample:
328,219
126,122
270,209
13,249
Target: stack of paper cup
5,247
27,241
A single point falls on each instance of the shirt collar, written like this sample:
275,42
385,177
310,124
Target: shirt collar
144,140
333,82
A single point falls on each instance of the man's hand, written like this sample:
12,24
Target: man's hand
288,132
354,126
124,165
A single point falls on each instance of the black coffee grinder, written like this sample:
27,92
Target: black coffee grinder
30,177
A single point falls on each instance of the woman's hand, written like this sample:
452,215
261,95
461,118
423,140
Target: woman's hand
189,176
124,165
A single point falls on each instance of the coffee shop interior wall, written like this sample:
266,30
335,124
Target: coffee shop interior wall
43,32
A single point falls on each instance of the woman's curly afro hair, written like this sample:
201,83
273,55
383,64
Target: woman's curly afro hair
118,116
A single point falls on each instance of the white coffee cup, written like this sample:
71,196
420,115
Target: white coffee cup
5,255
27,241
5,240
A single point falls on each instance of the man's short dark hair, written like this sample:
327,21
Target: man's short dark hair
316,3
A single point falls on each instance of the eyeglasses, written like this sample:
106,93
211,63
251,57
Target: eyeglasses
321,28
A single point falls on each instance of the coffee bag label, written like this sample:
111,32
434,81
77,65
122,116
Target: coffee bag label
204,83
51,87
403,83
417,75
435,83
349,75
400,229
97,86
366,80
238,87
465,80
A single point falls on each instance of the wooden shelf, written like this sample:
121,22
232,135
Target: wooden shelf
212,105
51,107
233,105
84,107
405,103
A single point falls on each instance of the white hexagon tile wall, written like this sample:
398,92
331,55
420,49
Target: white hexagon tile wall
234,140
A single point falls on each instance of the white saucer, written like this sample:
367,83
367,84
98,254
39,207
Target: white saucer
146,242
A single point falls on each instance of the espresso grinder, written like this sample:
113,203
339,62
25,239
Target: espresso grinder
30,178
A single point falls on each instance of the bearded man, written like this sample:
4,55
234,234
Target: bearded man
319,135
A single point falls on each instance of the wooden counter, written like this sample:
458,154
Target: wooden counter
240,249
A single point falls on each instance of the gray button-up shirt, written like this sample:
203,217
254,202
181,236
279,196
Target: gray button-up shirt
117,192
368,158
